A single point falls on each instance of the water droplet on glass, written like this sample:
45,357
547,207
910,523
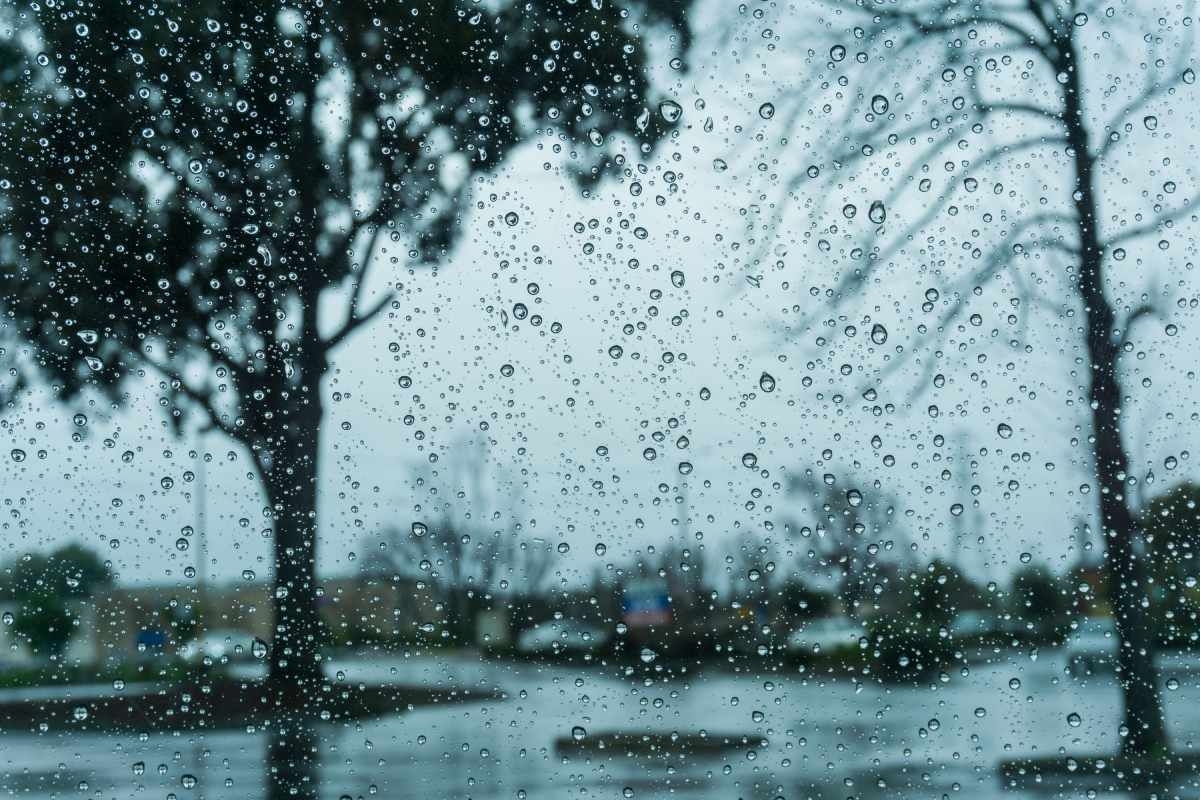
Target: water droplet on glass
670,110
766,382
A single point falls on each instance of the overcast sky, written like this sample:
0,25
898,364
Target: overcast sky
570,433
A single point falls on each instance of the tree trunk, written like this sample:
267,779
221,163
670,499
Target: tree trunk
293,763
1143,730
290,479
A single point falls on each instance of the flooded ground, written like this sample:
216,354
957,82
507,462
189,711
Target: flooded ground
817,738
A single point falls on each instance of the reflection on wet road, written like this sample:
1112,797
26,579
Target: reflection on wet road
813,737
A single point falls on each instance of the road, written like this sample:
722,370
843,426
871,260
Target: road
823,738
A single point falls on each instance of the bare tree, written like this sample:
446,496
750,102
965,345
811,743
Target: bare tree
953,97
842,530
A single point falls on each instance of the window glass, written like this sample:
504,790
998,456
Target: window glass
598,398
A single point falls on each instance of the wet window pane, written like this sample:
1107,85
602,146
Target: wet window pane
598,398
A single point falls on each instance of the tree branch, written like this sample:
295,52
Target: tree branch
355,318
356,321
1121,336
201,399
1141,230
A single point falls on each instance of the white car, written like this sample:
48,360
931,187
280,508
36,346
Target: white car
973,623
1091,645
561,636
222,646
824,635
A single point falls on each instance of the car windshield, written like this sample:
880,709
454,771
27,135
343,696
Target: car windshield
594,399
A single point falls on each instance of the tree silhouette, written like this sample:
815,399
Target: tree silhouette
42,585
1172,525
844,532
949,100
192,198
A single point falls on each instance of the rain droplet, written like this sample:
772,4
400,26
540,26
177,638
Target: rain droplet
1004,430
879,104
879,334
766,110
670,110
877,213
677,279
766,382
749,460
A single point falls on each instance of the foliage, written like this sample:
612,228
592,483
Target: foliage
1039,600
46,624
1172,525
42,585
904,648
192,197
242,150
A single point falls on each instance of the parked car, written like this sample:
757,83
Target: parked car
973,623
824,635
222,646
561,636
1091,645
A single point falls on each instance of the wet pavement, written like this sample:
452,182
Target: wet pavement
814,738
